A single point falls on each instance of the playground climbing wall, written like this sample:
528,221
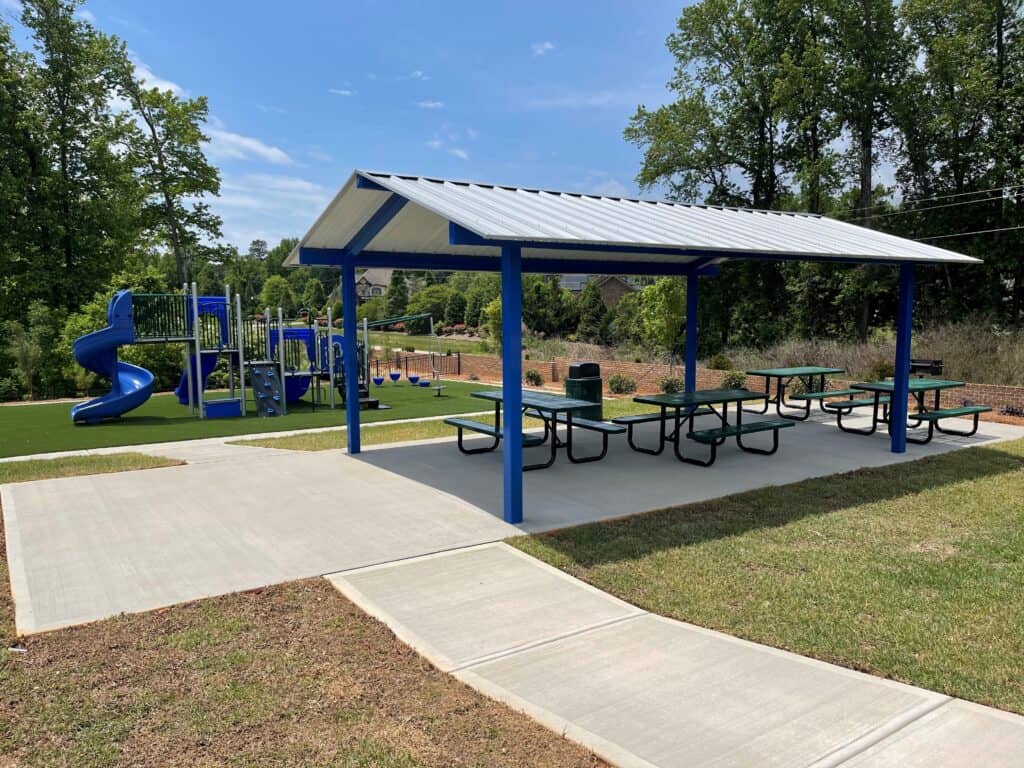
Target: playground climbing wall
266,388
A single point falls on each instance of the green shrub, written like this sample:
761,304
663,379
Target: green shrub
408,349
881,369
734,380
533,377
619,384
672,384
720,362
10,389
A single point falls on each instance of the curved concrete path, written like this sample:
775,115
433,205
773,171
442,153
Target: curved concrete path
642,690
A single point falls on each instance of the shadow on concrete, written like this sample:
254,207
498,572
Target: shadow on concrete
626,482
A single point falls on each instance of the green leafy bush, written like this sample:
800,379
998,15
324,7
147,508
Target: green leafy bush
672,384
618,384
720,362
881,369
734,380
533,377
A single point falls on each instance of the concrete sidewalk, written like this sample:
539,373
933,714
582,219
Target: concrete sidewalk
642,690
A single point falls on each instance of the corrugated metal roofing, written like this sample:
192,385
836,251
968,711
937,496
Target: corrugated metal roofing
562,220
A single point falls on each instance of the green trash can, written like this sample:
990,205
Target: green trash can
584,383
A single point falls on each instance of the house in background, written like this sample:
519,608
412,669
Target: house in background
372,283
612,287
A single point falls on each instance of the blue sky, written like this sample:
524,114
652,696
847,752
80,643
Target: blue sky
524,92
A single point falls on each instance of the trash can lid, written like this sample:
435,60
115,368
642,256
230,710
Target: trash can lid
584,370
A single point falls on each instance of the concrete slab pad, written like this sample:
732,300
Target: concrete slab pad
462,607
85,548
957,735
651,691
627,482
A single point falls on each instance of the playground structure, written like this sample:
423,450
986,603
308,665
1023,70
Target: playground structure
281,359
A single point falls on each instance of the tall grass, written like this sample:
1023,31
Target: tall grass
973,351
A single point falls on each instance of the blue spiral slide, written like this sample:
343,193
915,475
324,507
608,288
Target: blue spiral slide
131,385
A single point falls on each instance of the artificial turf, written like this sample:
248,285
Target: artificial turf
47,427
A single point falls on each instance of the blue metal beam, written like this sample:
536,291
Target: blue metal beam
690,379
901,369
350,358
380,219
512,381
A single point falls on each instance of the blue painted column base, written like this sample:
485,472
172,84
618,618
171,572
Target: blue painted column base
512,381
351,359
901,367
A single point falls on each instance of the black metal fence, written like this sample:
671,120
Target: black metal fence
419,364
161,317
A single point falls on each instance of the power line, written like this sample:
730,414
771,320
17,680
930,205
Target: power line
910,211
1001,188
966,234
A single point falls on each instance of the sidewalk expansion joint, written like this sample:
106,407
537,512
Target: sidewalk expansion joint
522,648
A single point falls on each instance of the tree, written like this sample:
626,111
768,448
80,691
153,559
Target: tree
397,296
82,196
314,297
257,250
167,148
663,315
455,309
490,318
371,309
433,300
277,292
25,350
594,315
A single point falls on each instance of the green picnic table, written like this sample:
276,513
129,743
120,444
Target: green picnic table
685,406
553,410
813,378
880,392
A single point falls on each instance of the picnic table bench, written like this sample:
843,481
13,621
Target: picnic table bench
686,406
552,410
919,388
813,379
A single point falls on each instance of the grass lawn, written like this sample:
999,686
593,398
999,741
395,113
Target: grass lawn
392,340
70,466
397,433
913,571
42,428
293,675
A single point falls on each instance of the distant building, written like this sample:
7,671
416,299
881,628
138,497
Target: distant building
372,283
612,287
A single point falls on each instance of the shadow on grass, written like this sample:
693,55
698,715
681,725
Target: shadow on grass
644,534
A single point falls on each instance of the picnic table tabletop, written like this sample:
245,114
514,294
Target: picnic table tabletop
915,385
800,370
543,401
699,397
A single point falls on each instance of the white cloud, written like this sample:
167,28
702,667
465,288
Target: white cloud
86,15
473,134
371,75
418,74
227,145
587,99
429,104
268,206
319,155
11,5
433,144
148,79
542,48
610,188
271,109
459,153
342,91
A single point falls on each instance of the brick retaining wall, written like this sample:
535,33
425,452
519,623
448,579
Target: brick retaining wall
648,375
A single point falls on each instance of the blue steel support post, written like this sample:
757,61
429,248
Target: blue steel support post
512,379
351,359
901,368
692,298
